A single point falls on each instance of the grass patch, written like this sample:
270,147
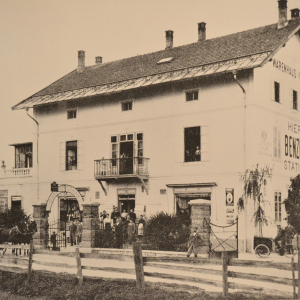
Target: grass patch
46,285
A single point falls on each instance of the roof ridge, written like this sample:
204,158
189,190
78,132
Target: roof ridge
181,46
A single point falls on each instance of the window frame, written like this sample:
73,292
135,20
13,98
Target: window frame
277,206
295,97
187,139
125,102
191,92
72,110
277,92
27,162
71,165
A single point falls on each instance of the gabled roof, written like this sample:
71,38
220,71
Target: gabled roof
242,50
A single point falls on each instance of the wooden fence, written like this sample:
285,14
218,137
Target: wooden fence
213,274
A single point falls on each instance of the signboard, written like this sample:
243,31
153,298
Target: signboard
54,187
229,197
230,215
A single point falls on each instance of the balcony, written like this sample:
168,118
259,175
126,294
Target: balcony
116,168
16,173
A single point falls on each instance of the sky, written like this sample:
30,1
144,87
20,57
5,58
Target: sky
39,40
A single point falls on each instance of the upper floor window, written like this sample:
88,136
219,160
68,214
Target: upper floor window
126,105
295,100
71,155
277,91
23,156
277,198
191,95
72,114
192,144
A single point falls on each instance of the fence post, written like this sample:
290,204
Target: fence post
139,266
298,281
30,259
225,272
294,281
79,268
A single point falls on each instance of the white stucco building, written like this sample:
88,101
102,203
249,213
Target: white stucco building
153,132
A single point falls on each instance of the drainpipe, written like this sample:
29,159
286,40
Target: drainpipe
37,154
244,146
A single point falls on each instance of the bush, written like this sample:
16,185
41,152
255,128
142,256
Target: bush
167,232
104,239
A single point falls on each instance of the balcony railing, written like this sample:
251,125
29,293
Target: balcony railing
121,167
22,172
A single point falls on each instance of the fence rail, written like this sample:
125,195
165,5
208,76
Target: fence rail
21,172
212,274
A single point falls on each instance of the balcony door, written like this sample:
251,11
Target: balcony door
126,157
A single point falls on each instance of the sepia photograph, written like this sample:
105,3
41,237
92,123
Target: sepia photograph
149,149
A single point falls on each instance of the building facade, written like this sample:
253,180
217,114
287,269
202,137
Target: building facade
154,132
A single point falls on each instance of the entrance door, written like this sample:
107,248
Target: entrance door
126,158
126,202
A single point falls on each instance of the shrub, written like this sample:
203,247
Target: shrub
167,232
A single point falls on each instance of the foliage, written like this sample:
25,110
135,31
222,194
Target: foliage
253,180
167,232
104,239
17,217
292,203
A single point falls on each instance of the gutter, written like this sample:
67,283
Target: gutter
37,154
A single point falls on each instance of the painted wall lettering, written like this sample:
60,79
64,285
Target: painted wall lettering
292,147
285,68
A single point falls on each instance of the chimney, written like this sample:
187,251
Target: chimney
169,39
98,60
282,7
295,13
201,32
81,61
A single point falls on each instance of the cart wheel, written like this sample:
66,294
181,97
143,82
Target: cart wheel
262,251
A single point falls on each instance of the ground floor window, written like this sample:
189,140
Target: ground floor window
278,203
16,202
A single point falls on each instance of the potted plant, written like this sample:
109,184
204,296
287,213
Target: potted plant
253,182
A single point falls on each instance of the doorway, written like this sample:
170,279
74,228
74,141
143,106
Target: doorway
126,157
126,202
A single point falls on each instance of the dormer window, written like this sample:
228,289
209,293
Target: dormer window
72,114
126,105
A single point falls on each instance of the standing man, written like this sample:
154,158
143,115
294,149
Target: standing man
132,215
119,233
73,229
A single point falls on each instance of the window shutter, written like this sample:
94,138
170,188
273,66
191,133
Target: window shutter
80,156
291,98
272,90
62,156
205,155
179,144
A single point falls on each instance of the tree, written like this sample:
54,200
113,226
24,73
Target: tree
292,204
253,180
17,217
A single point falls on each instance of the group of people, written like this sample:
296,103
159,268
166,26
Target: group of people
124,226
